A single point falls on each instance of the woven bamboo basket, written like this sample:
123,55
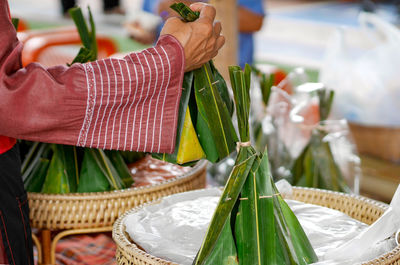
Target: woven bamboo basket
380,142
357,207
101,209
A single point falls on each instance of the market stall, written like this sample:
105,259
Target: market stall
261,161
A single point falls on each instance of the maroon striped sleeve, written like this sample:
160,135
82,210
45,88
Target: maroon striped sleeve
132,103
127,104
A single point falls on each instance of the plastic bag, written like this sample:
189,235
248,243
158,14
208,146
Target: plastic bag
290,128
359,248
366,81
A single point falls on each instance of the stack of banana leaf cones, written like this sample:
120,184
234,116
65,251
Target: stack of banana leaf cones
252,224
205,127
52,168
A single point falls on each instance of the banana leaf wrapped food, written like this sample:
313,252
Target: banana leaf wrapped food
304,146
263,227
316,165
205,128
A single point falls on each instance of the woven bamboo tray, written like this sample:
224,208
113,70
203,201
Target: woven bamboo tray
357,207
101,209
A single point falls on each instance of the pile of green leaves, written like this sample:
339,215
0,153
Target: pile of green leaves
59,169
52,168
316,166
206,96
252,224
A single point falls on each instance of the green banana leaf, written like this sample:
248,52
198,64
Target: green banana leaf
62,175
34,182
213,110
185,12
267,231
120,167
206,139
246,225
36,152
225,250
98,173
226,203
299,245
222,88
240,81
89,50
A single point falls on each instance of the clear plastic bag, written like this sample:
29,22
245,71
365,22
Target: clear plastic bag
290,128
366,80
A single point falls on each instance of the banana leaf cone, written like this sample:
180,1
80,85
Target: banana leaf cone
98,173
212,112
62,175
267,231
226,204
244,163
316,167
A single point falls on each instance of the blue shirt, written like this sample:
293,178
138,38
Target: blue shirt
246,41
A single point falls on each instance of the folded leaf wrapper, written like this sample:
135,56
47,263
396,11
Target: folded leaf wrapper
265,229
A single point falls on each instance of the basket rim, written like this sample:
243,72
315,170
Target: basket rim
120,237
123,192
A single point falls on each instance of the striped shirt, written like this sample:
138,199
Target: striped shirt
126,104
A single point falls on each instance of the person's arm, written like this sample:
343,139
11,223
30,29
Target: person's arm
128,104
249,21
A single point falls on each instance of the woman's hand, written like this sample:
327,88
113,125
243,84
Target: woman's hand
200,39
